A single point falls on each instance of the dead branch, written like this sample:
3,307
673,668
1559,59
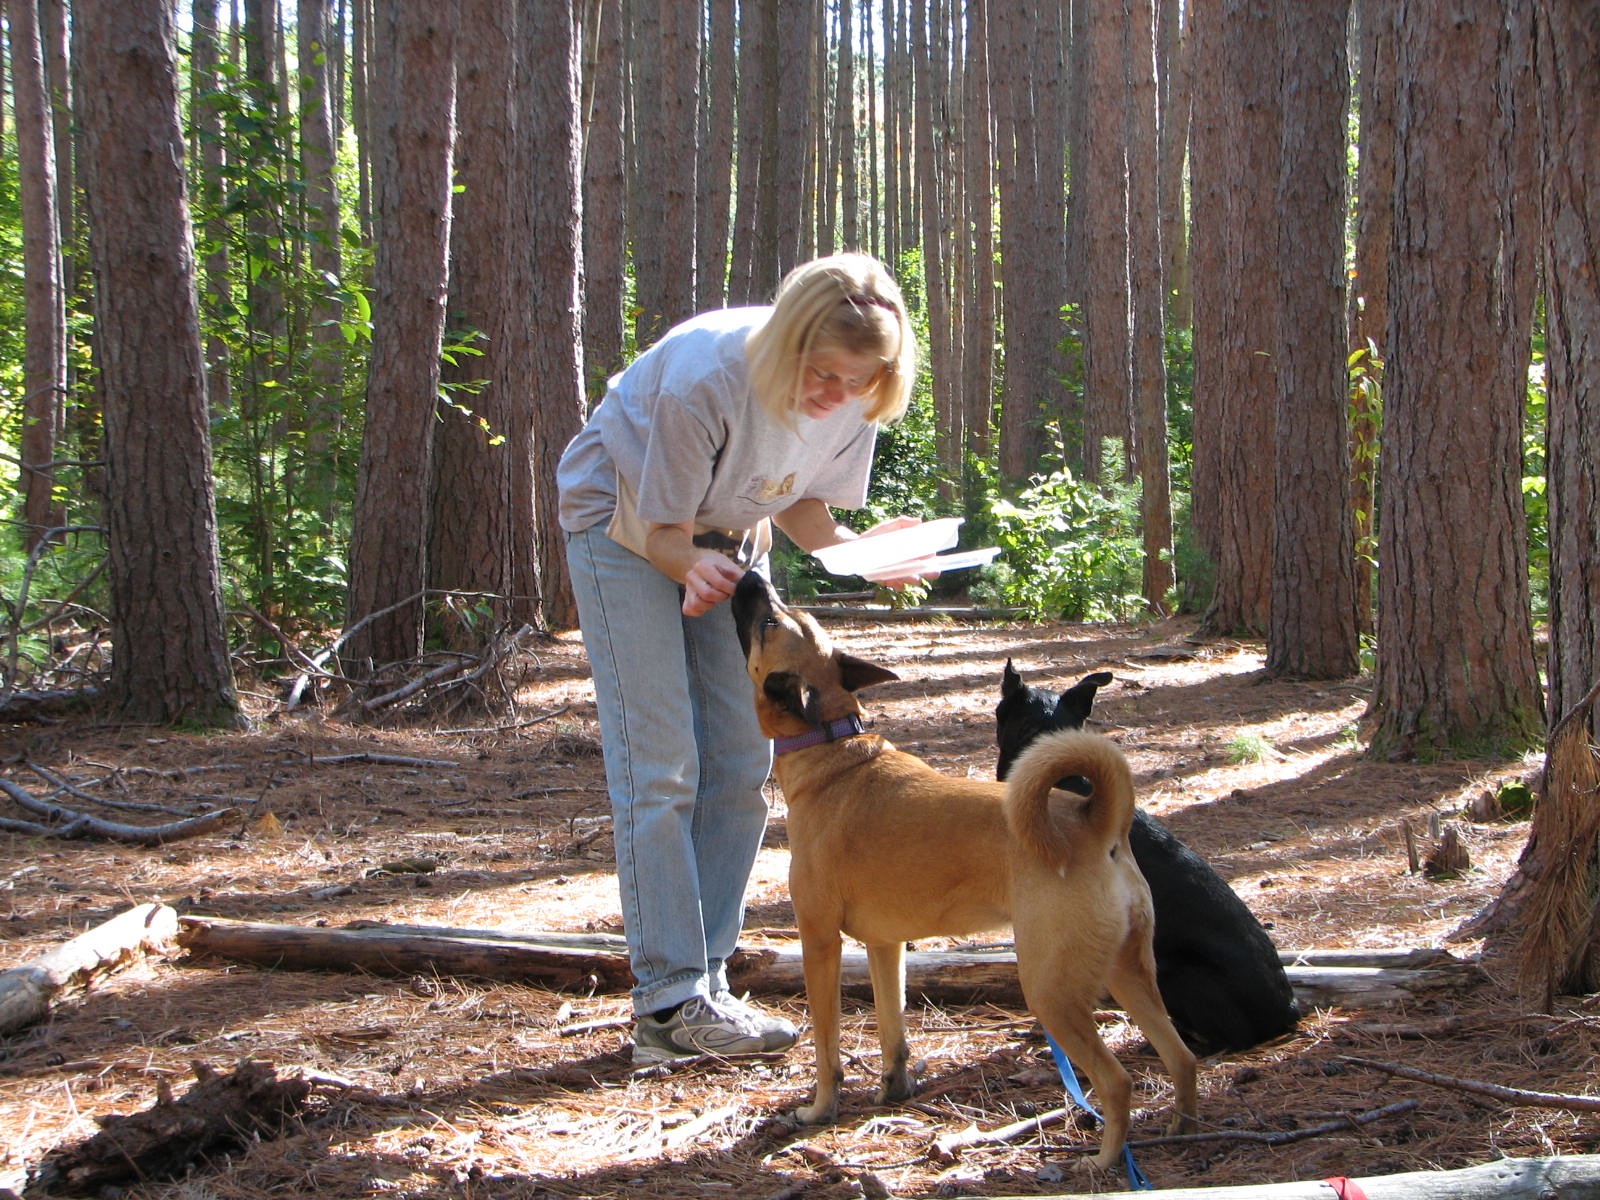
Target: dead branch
1515,1096
73,789
460,672
67,823
27,991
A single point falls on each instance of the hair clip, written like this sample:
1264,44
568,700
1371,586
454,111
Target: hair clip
862,300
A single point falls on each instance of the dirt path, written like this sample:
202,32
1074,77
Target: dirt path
461,1088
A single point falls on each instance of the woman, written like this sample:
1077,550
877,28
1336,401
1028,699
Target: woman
733,419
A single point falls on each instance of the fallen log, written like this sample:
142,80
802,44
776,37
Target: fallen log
1565,1178
411,951
27,991
599,962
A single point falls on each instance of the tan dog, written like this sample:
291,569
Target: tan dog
886,849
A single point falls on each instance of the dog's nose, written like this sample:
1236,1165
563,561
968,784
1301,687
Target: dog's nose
752,599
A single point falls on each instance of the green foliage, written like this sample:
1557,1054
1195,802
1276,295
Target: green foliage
1515,801
1248,748
1070,550
285,435
1535,500
49,595
1365,373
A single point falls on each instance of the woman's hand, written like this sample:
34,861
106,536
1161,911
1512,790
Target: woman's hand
889,525
708,582
708,576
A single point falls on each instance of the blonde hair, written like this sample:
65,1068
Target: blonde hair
847,302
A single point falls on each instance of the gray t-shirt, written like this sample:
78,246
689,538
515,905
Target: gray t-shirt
682,427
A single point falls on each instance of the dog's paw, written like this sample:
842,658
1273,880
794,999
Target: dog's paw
1181,1123
818,1114
895,1086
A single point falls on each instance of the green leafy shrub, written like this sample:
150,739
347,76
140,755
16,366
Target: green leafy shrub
1069,550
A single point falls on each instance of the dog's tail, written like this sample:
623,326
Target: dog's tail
1076,828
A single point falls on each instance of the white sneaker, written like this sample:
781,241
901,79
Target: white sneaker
720,1026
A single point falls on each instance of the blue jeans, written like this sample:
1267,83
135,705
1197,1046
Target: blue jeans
685,762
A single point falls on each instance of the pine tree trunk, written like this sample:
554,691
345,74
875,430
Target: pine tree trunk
44,374
1456,670
978,329
414,118
1149,356
604,207
1570,114
318,158
1102,196
473,525
1312,632
715,181
171,651
550,115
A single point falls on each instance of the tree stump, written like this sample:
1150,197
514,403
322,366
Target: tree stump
219,1113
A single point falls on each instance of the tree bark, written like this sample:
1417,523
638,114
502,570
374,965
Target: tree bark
1148,293
171,650
787,213
679,109
549,112
1238,431
1456,670
1569,110
1100,191
978,325
1175,67
414,118
209,161
714,183
605,209
324,409
927,75
488,381
1031,137
1212,303
44,372
1312,629
1369,290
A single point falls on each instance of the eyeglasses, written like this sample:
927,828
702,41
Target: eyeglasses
854,385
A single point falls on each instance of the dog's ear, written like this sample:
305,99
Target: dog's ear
1073,708
857,673
789,692
1010,682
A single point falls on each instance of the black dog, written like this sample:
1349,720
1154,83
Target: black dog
1218,971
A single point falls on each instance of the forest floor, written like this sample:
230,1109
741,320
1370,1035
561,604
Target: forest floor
461,1087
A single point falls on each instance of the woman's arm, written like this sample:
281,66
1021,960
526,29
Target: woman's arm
708,576
810,525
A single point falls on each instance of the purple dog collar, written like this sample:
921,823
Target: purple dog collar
830,731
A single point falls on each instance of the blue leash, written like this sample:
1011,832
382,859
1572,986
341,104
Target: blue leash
1136,1180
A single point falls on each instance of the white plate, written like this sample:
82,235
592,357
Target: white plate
937,562
860,555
